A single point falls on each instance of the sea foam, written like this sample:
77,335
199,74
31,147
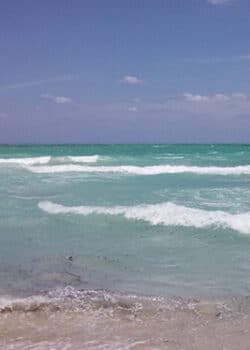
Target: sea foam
29,161
26,161
161,214
142,170
84,159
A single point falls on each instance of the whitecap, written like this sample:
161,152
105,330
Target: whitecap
142,170
26,161
84,159
161,214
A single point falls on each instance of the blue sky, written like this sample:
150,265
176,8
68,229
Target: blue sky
115,71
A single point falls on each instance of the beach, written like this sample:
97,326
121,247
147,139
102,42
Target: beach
101,320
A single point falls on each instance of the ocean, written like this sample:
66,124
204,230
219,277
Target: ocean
125,247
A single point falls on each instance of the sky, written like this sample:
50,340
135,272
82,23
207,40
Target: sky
125,71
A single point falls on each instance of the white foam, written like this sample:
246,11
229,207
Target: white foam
164,214
26,161
84,159
171,157
142,170
29,161
24,304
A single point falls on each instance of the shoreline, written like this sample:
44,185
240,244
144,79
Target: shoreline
67,318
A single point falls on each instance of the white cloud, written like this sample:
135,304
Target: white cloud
129,79
245,57
240,95
195,98
132,109
218,2
3,115
28,84
62,99
57,99
218,97
220,59
221,97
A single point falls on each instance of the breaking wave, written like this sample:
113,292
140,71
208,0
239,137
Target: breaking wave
26,161
29,161
71,299
84,159
161,214
142,170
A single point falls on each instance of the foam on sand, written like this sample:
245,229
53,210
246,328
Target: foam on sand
72,319
161,214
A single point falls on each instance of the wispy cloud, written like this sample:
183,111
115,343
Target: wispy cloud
33,83
218,97
57,99
218,59
3,115
245,57
130,79
240,96
133,109
219,2
215,105
195,98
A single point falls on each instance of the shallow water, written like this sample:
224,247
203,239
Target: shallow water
169,221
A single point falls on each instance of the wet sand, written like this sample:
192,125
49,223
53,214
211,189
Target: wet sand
102,320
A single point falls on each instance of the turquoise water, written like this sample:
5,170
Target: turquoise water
148,219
